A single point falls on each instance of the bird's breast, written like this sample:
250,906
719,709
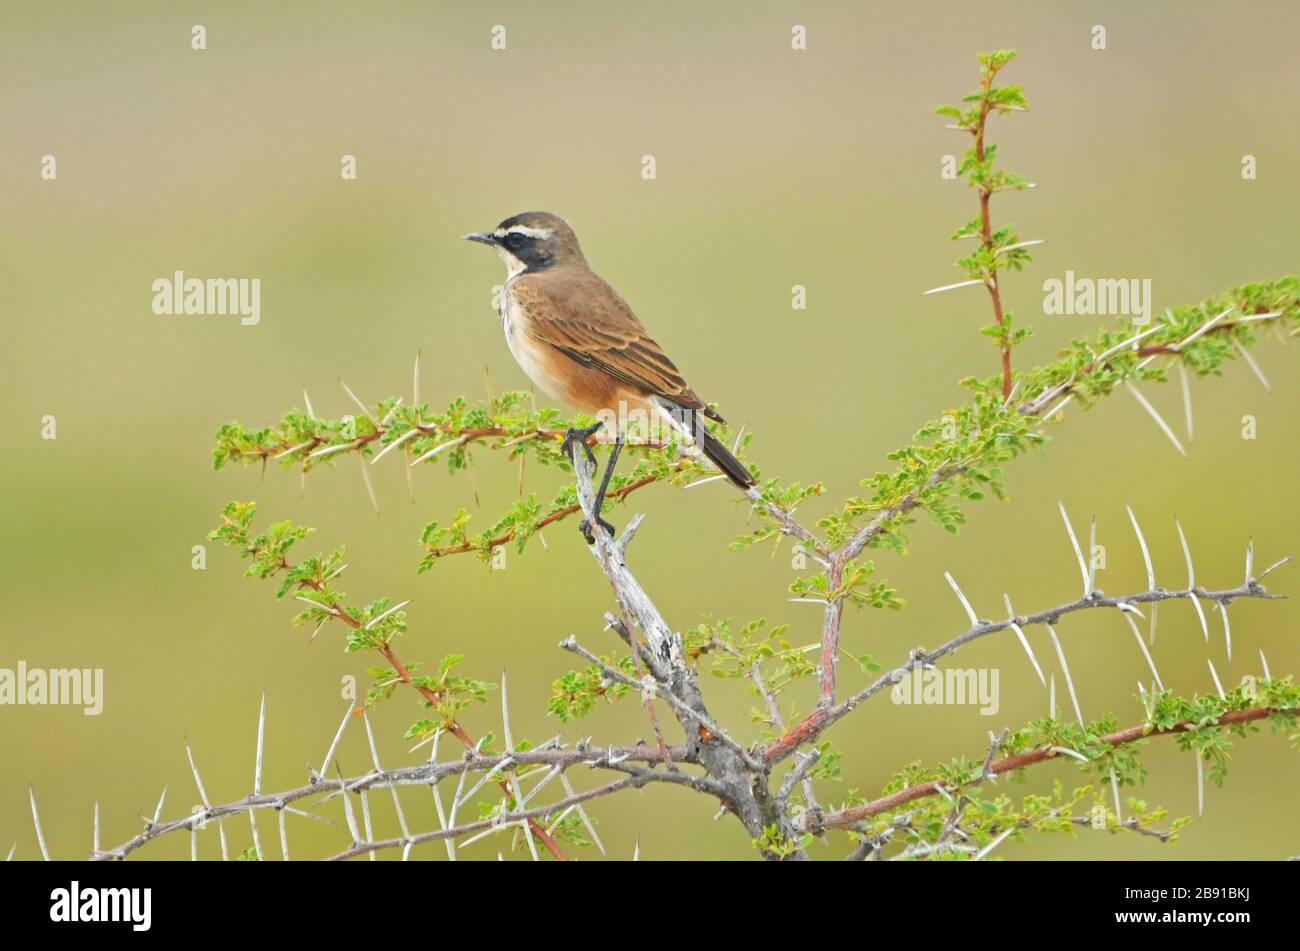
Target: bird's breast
527,351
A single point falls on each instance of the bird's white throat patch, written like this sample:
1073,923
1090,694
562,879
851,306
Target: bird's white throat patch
514,266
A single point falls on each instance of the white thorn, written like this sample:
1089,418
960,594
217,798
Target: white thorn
1137,636
329,754
1022,244
1066,751
1187,398
1215,674
284,838
290,451
505,715
1227,628
1126,344
1187,554
347,389
306,400
261,733
36,820
1148,701
203,795
379,617
1029,651
365,818
370,489
1254,366
1065,670
705,480
347,812
257,842
437,449
970,612
582,814
1074,542
1024,641
388,417
950,287
1200,615
370,736
1092,556
979,856
1273,567
1191,582
1142,542
1058,407
532,844
1264,663
1203,329
1159,420
409,434
437,798
330,450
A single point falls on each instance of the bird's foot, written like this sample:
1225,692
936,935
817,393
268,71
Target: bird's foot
573,438
585,527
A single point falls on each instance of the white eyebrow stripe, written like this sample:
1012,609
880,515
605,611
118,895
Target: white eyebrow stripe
526,231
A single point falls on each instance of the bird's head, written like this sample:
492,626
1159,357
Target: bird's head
532,241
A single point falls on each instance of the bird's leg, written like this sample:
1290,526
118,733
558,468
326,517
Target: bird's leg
600,494
574,440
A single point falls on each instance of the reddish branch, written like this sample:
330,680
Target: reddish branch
428,693
986,232
555,516
855,814
484,432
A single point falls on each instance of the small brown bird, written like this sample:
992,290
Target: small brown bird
581,343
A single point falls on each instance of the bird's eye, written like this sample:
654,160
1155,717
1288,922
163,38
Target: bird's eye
514,240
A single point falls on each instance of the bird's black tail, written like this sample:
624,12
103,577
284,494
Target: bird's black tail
724,460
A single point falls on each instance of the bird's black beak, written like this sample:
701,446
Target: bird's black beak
482,237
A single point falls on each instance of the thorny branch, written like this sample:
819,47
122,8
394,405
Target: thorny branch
404,676
822,717
846,818
554,756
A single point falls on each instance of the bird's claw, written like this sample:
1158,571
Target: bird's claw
585,527
573,438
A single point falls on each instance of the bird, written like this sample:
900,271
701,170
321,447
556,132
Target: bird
580,343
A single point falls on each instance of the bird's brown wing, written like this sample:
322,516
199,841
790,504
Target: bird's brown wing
582,317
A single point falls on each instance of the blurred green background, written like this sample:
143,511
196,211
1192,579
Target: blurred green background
775,168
